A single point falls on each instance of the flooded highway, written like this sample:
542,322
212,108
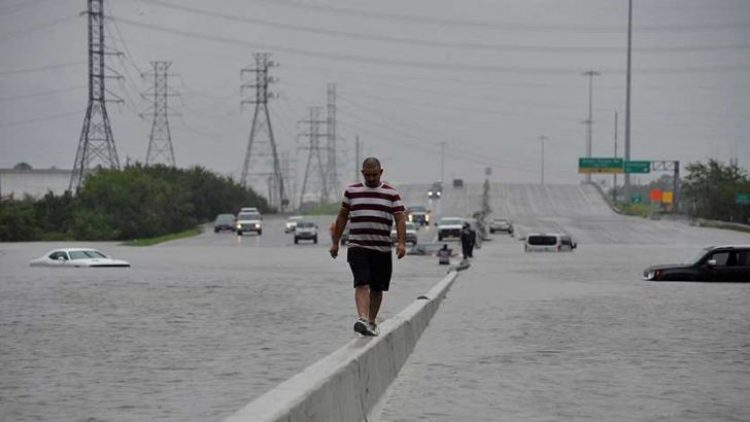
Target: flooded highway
191,332
199,327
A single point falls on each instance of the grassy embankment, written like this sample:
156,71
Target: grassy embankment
166,238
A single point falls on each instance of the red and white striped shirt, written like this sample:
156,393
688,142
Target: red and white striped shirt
371,212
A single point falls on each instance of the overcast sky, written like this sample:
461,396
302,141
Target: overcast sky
488,78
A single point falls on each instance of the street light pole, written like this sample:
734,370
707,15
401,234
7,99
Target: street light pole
442,161
627,101
542,138
590,121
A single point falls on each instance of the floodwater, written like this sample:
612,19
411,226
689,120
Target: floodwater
199,327
193,331
578,336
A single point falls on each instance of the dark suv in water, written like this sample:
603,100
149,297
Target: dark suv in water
714,263
224,222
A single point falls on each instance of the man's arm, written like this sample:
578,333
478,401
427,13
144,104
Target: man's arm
338,230
401,234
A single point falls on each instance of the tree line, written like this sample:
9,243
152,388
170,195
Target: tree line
135,202
709,190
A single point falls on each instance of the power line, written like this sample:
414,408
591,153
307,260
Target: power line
8,35
503,26
42,68
443,44
40,119
42,94
418,64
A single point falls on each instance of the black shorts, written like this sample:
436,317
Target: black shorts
370,267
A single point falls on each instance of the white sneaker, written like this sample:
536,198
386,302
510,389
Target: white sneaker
373,327
362,327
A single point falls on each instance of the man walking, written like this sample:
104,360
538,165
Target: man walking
371,207
466,240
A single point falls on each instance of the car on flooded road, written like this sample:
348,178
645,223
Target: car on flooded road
224,222
249,222
450,227
306,230
729,263
291,223
419,215
549,242
501,225
411,234
77,258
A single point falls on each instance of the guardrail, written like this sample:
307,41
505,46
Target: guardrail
349,384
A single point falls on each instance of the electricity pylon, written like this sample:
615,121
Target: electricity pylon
96,146
160,148
313,153
261,125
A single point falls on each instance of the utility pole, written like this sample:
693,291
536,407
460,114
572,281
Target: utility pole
627,100
261,124
590,120
96,146
314,151
542,139
356,159
160,141
442,161
333,178
614,175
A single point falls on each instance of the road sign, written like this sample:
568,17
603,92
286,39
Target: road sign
742,199
599,165
636,199
667,197
655,195
637,167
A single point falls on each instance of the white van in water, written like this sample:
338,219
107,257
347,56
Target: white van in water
549,242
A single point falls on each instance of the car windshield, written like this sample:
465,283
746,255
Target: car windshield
543,240
697,256
451,221
86,254
417,209
500,220
224,218
248,216
305,224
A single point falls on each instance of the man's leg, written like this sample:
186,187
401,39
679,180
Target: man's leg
362,300
376,297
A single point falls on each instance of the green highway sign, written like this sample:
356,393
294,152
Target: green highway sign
742,199
637,167
599,165
636,199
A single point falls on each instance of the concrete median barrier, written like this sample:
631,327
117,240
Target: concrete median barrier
349,384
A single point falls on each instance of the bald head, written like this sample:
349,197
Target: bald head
371,163
371,171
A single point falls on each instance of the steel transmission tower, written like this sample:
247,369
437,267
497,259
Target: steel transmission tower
333,177
160,141
261,125
96,147
313,153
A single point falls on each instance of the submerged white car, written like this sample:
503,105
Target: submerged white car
77,257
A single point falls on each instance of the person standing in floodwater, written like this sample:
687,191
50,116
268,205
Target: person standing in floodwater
371,208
